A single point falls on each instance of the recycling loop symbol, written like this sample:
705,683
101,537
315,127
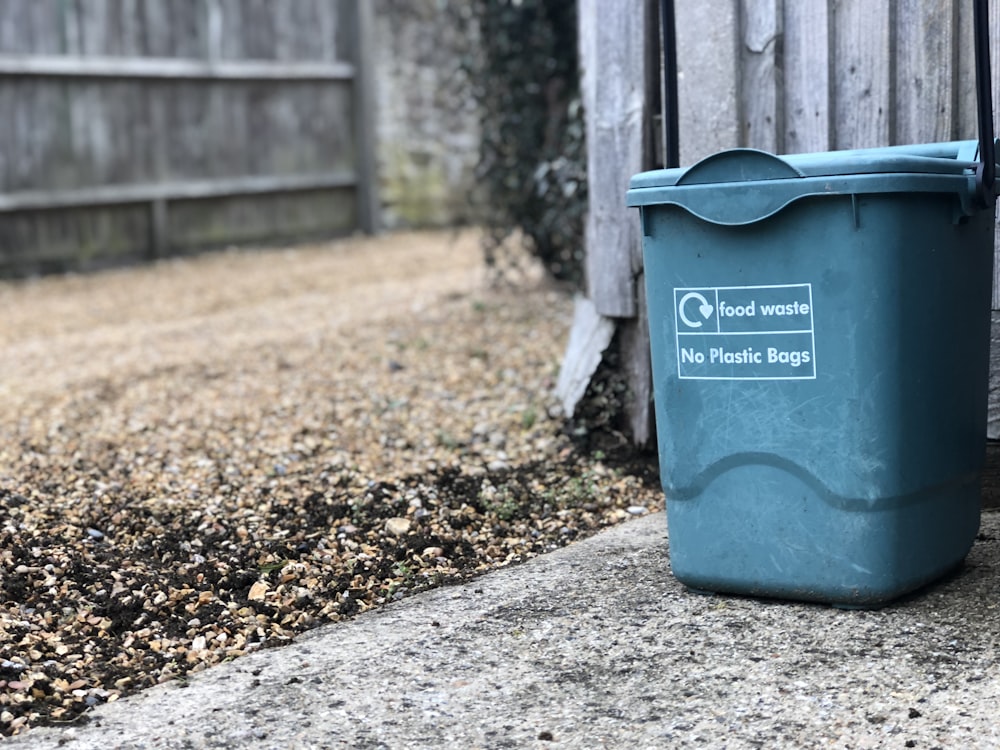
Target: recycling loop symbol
704,309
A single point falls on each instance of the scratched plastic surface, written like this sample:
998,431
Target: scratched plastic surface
820,368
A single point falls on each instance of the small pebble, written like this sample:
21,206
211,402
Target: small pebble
398,526
258,591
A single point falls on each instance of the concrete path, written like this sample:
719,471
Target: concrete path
597,646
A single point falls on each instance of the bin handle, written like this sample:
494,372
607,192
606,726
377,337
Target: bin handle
986,169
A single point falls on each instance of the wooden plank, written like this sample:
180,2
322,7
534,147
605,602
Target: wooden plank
185,30
925,92
993,411
93,20
619,72
257,30
638,364
257,219
74,239
612,38
232,38
990,486
214,31
27,25
106,195
159,237
808,107
965,82
590,334
22,137
707,54
327,26
158,25
862,74
159,225
131,30
70,28
172,68
761,99
369,207
287,42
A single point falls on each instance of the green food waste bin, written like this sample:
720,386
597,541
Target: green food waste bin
820,330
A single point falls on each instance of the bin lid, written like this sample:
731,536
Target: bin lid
716,188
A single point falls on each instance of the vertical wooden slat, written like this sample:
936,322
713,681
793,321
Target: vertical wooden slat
760,95
156,112
214,33
707,54
925,95
258,29
808,105
327,30
285,33
158,229
369,209
71,28
93,27
613,38
156,22
619,75
862,63
637,359
229,42
159,242
131,29
965,81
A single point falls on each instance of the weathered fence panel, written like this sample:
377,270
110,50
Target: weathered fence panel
140,128
789,76
813,75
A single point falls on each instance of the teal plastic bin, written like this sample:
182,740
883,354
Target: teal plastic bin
820,330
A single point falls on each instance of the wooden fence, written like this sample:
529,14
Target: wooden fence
134,129
785,76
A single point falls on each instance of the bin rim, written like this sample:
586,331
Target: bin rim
743,186
950,158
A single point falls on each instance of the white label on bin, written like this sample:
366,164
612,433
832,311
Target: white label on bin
745,332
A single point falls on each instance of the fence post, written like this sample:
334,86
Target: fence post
369,210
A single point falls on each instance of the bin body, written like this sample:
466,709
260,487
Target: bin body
820,345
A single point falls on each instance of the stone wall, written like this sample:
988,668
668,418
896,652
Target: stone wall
426,124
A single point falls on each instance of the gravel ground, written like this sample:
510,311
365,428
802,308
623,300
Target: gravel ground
205,457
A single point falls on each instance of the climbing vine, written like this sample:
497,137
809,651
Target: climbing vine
524,78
